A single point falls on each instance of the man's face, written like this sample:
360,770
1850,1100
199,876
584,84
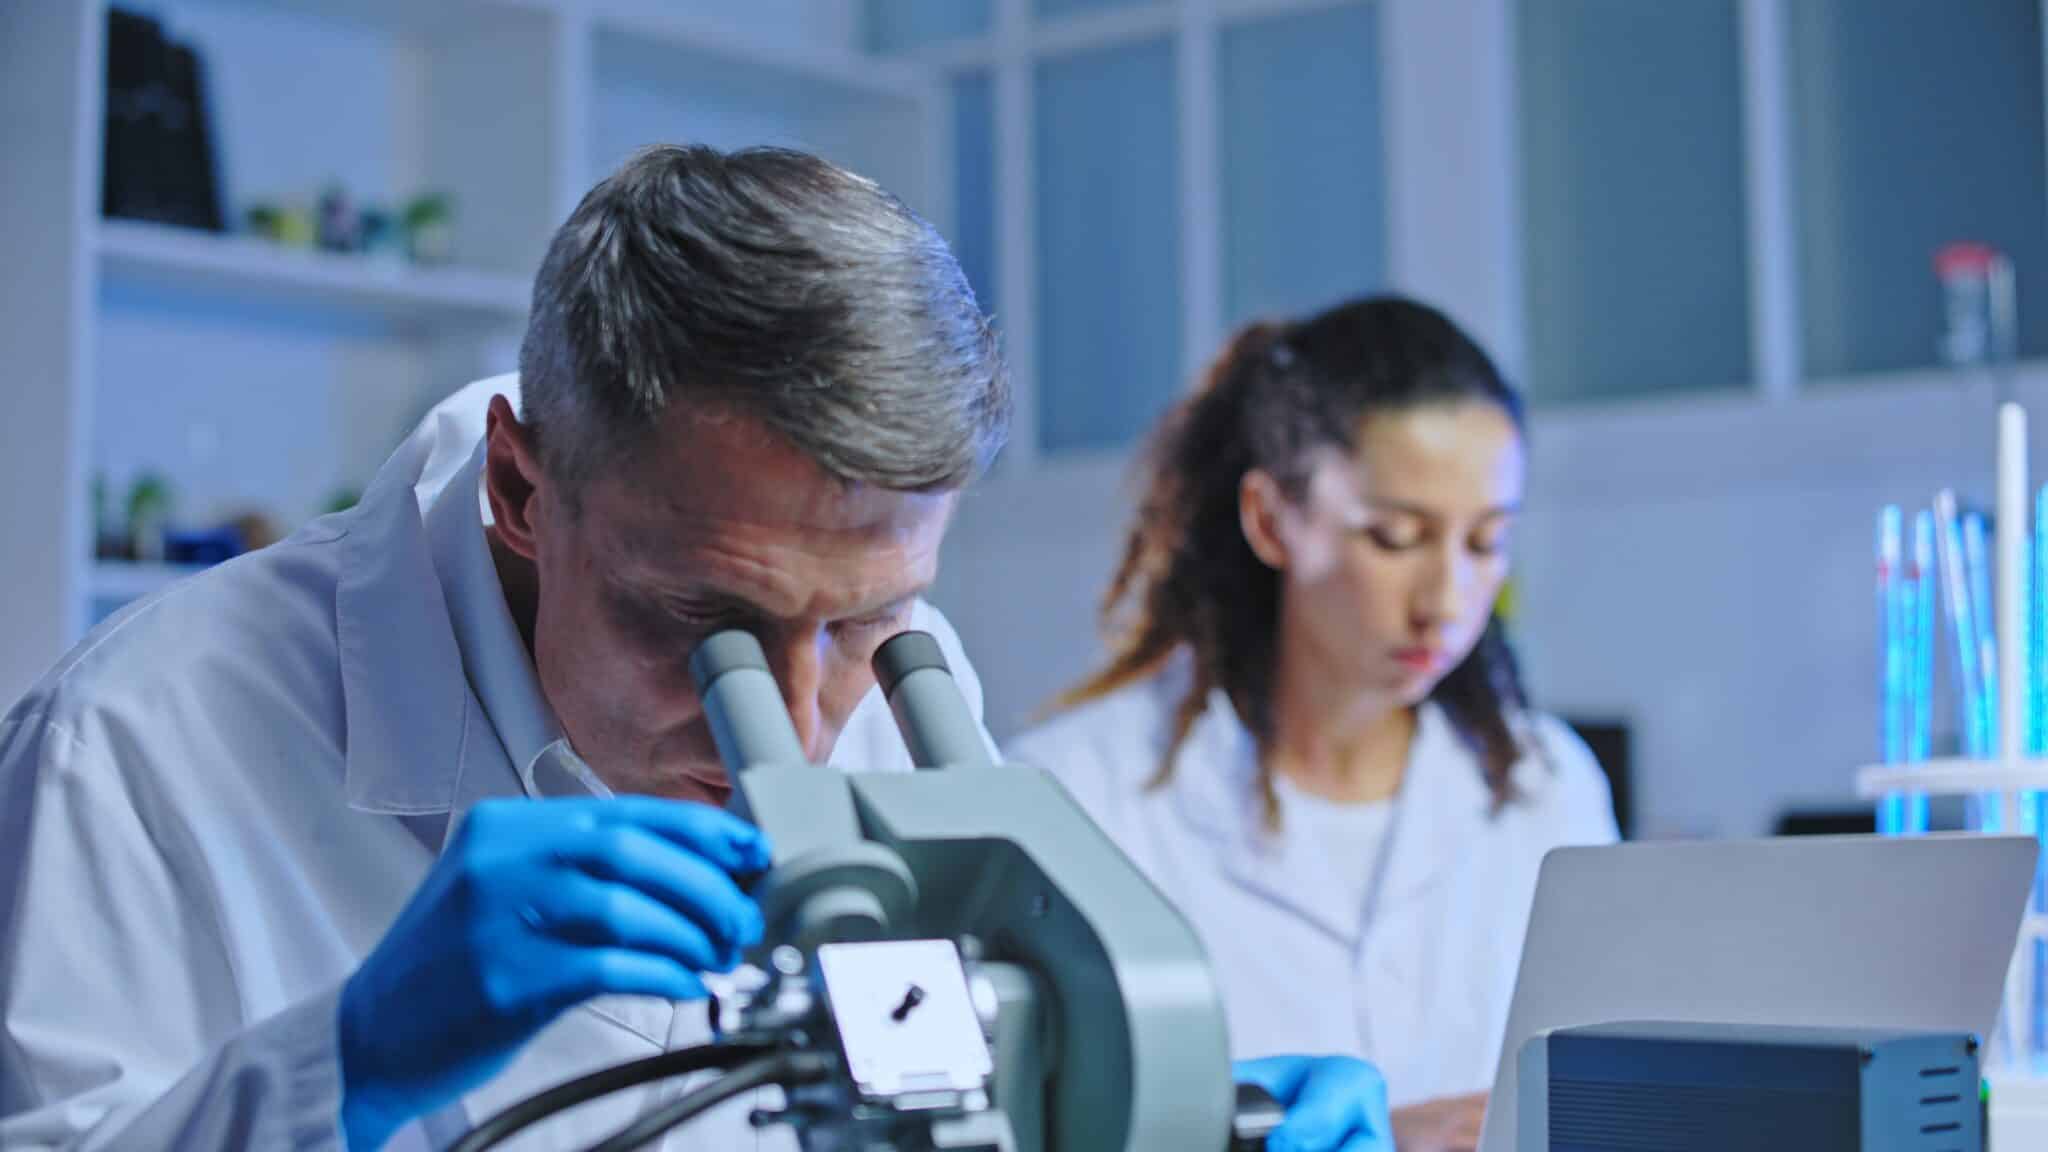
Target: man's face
718,524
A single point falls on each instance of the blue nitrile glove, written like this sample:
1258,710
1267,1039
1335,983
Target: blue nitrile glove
1334,1103
537,905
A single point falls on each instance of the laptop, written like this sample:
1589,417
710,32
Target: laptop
1842,931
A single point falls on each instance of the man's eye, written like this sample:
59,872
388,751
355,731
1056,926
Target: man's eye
703,617
867,626
668,621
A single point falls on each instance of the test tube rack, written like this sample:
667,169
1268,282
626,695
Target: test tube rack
2005,786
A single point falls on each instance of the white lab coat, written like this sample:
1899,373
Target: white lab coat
211,810
1423,990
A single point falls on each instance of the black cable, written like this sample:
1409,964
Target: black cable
785,1068
604,1082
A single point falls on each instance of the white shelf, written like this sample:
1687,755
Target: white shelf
2019,1108
124,580
1952,777
247,268
211,359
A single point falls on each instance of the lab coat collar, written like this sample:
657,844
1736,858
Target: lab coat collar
408,710
495,659
419,742
1442,798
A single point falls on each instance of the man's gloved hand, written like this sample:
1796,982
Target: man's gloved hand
1334,1103
535,906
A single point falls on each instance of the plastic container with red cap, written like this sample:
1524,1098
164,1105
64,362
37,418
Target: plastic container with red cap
1977,296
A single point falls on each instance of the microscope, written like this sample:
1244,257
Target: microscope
955,959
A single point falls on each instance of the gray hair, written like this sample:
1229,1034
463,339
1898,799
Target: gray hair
770,284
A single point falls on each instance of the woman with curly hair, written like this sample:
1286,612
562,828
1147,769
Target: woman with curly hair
1310,732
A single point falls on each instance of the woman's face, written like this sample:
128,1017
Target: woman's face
1392,558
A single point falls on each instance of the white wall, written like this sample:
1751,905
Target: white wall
1706,571
810,25
1023,568
1448,70
1702,568
336,399
48,47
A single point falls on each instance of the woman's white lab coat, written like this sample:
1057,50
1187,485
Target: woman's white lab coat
211,811
1423,989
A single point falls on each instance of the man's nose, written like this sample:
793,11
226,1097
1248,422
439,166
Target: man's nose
798,659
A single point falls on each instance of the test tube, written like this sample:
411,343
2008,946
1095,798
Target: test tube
1894,711
1923,589
2034,805
1988,815
1954,587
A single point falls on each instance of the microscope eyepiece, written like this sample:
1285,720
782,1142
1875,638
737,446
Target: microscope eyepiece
930,711
904,653
749,718
723,652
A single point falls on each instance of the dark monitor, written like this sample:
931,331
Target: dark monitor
1609,741
1847,821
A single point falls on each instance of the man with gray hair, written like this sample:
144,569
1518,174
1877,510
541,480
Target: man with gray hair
357,839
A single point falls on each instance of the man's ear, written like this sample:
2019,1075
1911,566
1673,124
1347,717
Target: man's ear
513,480
1261,510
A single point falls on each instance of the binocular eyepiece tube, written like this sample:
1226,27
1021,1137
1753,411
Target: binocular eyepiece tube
749,722
926,701
751,726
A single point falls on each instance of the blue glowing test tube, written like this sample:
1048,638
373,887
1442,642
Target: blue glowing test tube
1894,646
1922,590
2034,805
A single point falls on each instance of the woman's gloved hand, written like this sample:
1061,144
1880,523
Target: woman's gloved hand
1334,1103
537,905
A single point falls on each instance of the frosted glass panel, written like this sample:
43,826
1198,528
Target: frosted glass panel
1636,275
648,93
1054,9
1304,162
1109,244
905,25
1914,125
974,186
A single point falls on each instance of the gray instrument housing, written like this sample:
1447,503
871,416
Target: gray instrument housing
1111,1032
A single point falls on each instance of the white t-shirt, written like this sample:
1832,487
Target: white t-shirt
1351,837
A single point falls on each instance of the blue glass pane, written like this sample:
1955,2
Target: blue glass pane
1914,125
1634,226
974,184
895,26
1055,9
1304,162
1109,244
